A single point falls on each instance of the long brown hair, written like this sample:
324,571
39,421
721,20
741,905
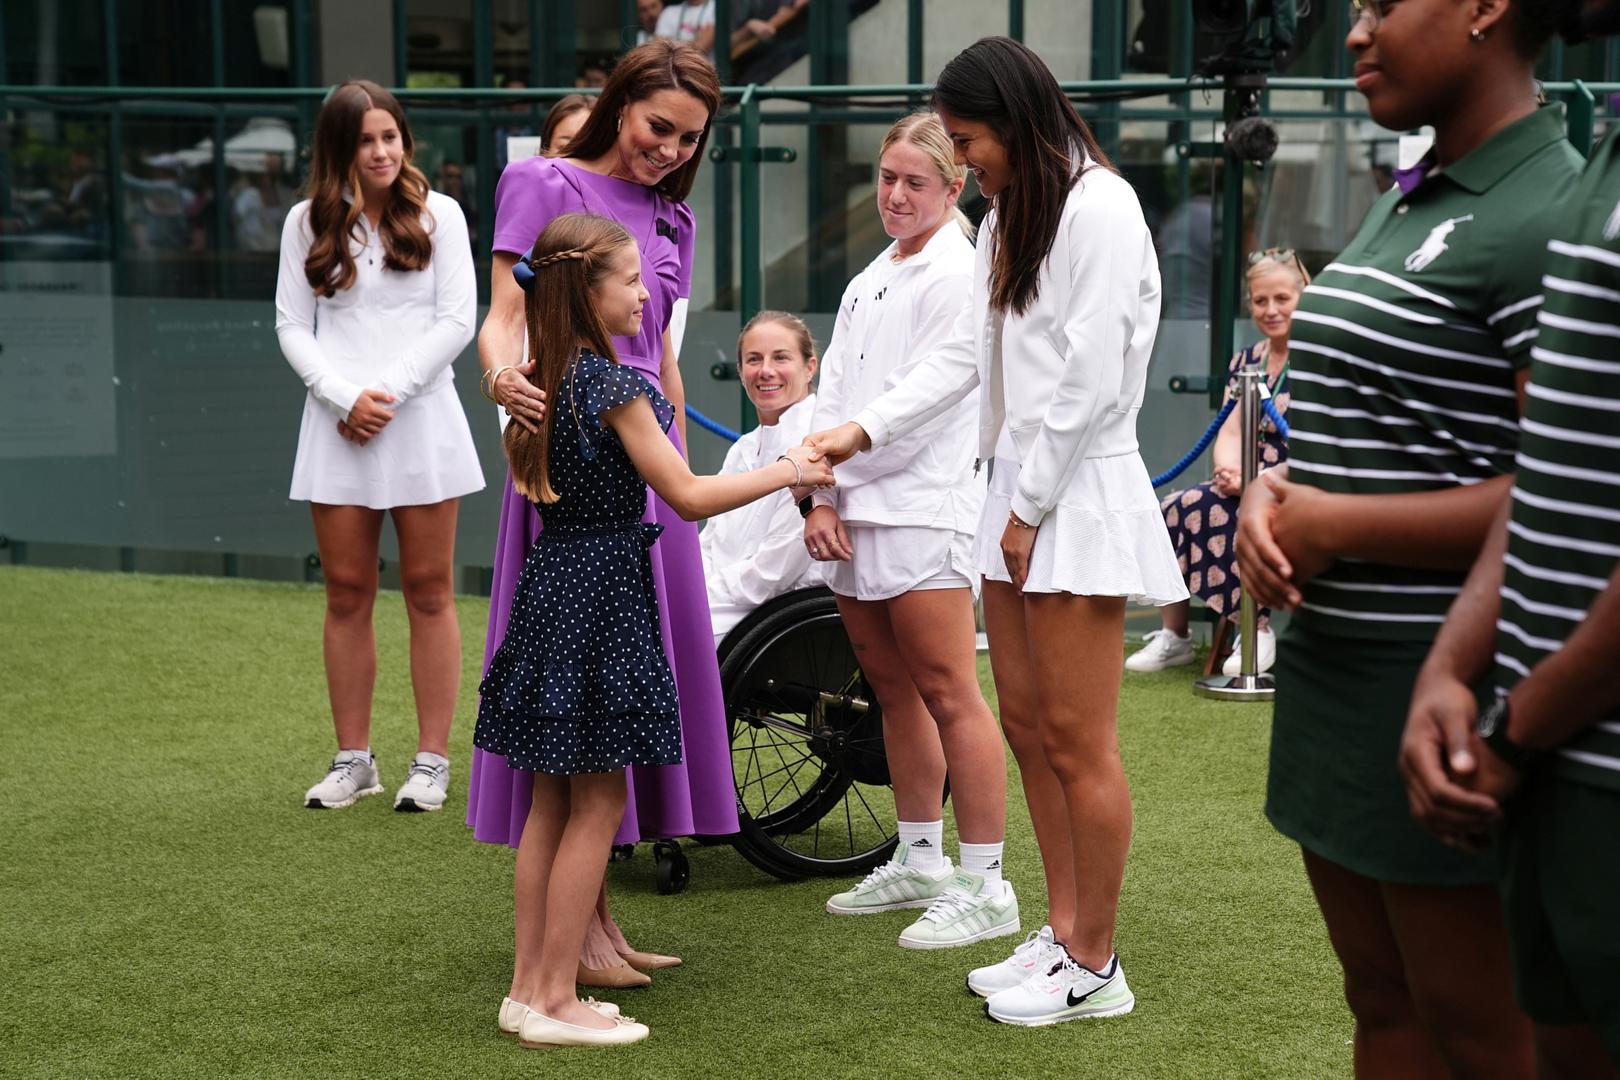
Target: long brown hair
335,171
1002,83
659,64
570,258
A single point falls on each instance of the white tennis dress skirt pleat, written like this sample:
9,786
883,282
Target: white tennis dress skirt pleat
1105,537
423,455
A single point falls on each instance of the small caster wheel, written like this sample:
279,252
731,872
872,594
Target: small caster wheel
673,871
623,852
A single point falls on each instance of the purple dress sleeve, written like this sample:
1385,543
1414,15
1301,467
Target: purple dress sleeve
686,244
530,193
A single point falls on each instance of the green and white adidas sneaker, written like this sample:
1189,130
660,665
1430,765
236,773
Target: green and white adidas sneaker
891,887
970,909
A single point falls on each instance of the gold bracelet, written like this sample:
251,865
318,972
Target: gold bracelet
494,381
483,386
1012,519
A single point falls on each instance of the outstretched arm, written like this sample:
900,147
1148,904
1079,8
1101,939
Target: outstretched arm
695,497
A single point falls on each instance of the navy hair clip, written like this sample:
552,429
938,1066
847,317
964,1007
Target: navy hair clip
524,273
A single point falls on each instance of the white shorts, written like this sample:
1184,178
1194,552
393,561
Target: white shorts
894,559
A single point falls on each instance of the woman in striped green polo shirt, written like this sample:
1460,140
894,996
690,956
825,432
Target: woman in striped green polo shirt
1539,619
1408,356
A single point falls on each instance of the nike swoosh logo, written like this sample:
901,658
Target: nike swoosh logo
1073,1001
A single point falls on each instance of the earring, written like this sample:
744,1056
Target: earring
1476,35
618,121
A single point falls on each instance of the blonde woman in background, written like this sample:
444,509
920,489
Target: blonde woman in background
1203,519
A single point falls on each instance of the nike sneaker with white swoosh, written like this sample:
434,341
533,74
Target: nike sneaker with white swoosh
970,909
891,887
1039,952
1070,991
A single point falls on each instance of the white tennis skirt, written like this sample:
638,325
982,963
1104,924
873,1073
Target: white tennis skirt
1105,537
423,455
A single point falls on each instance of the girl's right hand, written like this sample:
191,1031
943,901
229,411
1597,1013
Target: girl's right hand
815,470
370,413
522,400
825,538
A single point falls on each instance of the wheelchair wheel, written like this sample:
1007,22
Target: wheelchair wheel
806,743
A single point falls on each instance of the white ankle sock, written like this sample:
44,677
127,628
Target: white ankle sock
982,859
923,843
363,755
431,758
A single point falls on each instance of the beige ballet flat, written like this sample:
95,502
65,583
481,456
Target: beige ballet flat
622,977
647,961
513,1012
541,1032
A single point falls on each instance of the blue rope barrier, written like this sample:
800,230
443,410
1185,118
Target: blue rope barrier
1276,417
1198,447
711,425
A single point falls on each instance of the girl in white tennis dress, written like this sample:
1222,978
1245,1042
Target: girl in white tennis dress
376,297
898,534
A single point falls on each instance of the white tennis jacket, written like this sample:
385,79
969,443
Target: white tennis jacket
890,319
1067,376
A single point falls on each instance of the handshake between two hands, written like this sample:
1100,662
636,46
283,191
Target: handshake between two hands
815,458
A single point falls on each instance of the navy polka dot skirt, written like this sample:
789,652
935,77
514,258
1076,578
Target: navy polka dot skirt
580,683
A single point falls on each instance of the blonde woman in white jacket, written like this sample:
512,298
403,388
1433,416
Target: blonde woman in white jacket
897,534
1056,338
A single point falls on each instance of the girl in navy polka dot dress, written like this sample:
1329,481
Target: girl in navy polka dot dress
580,687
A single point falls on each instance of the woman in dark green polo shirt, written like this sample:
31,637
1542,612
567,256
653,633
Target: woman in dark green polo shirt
1408,356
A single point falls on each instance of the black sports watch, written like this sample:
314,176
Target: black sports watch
805,506
1492,731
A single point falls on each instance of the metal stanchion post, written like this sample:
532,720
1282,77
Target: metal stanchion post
1249,685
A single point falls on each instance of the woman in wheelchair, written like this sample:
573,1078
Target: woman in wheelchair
757,551
898,535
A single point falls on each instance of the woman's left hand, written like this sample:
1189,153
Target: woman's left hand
1017,541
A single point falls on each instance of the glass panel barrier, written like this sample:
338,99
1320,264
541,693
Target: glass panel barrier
144,402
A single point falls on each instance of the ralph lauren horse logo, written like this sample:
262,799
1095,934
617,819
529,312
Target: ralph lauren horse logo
1434,245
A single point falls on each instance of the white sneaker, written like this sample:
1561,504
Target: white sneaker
891,887
426,785
1070,991
1164,649
351,777
1039,952
970,909
1265,653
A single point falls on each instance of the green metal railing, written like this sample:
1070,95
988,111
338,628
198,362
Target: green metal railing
1183,102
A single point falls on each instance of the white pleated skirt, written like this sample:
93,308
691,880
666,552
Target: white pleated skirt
1105,537
423,455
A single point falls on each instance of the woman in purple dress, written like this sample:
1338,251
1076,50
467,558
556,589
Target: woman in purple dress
634,161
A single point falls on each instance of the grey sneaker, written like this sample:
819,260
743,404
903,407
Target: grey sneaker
1164,649
352,776
970,909
426,785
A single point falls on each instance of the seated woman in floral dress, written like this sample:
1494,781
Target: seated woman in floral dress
1203,518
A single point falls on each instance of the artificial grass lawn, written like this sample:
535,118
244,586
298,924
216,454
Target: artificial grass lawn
170,910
